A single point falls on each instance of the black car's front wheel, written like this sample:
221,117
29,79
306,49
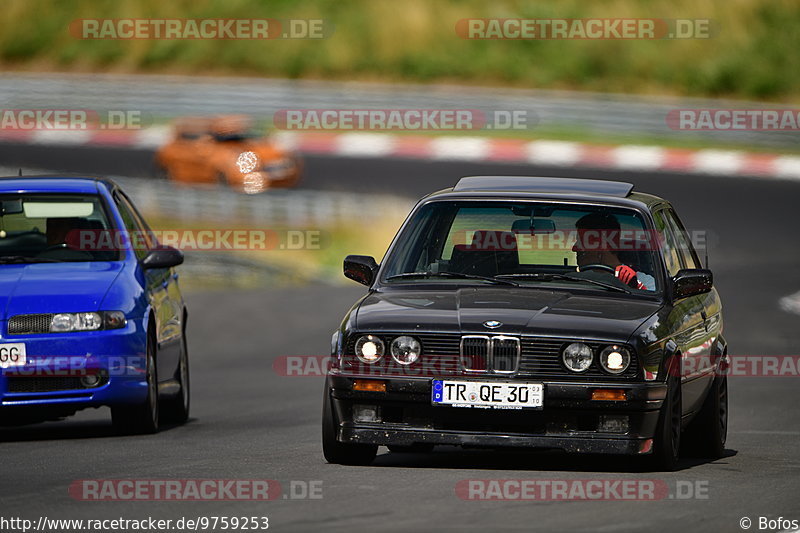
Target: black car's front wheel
708,432
340,452
142,418
667,442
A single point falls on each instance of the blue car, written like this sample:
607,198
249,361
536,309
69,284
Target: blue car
92,314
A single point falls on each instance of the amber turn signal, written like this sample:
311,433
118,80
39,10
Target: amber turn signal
369,385
609,395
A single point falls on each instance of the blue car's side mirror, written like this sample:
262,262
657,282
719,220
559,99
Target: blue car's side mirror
163,257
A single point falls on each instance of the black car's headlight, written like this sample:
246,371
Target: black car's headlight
577,357
405,350
615,359
68,322
369,348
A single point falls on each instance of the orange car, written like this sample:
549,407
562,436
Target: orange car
226,151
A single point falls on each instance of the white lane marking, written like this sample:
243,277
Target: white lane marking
787,166
639,157
560,153
153,137
718,161
59,137
288,140
466,148
791,303
364,144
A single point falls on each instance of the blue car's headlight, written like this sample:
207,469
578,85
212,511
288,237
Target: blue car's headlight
70,322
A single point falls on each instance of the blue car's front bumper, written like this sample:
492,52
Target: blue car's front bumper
51,378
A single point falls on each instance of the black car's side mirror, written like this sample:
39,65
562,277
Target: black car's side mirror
360,268
690,282
162,257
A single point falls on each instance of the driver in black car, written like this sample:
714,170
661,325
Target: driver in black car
595,231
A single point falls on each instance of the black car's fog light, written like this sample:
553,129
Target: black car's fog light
366,413
613,424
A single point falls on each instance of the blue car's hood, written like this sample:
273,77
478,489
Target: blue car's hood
55,287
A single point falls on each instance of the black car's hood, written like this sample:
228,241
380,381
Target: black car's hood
521,310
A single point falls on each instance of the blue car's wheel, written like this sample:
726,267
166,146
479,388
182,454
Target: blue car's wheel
176,409
143,418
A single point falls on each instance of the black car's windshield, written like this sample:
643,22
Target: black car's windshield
49,228
592,246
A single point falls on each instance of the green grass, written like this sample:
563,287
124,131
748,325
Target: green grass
752,54
291,267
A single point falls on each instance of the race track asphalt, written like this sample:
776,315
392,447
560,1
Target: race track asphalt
249,422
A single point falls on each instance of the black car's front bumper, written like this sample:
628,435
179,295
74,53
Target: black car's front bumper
569,420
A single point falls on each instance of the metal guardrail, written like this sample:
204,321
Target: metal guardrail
285,208
276,208
169,96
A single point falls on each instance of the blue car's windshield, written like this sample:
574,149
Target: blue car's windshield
43,228
570,245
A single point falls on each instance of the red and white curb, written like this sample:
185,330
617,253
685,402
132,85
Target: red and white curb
451,148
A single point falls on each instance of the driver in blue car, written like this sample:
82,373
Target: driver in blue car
595,231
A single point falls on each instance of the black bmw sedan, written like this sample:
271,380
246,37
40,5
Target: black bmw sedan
547,313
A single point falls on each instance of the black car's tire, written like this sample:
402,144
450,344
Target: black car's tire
338,452
707,433
143,418
175,410
667,442
412,448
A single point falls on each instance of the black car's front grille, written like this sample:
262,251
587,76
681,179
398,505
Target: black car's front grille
542,357
505,354
26,324
448,354
475,353
48,383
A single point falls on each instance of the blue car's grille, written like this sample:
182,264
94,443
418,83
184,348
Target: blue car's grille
24,324
49,384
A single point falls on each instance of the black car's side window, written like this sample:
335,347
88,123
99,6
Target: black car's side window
685,247
669,246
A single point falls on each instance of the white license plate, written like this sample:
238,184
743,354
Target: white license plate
487,394
12,354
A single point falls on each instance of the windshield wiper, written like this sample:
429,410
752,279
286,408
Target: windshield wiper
454,275
565,277
8,259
